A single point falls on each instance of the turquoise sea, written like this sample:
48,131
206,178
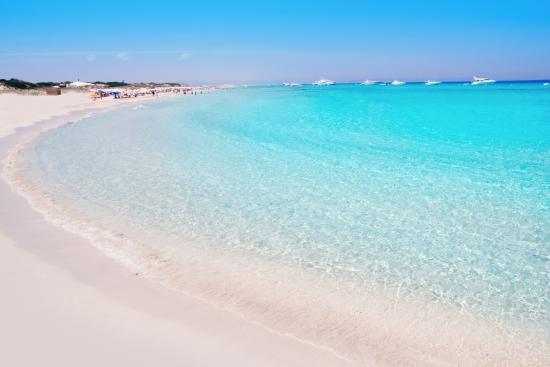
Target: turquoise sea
325,211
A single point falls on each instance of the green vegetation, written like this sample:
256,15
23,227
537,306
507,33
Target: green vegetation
17,84
46,84
113,84
21,84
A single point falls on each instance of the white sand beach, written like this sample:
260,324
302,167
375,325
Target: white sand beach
66,304
220,183
20,110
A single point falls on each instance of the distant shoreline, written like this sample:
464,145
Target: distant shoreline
42,87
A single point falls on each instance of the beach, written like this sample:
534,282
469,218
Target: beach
281,215
64,303
220,183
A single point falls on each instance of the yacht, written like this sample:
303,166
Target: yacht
291,84
432,82
370,82
478,80
323,82
397,82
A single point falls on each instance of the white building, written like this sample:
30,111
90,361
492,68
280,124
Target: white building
78,84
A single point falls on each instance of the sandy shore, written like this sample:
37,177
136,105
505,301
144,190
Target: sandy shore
19,110
65,304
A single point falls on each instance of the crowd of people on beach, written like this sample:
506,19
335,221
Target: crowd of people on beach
154,92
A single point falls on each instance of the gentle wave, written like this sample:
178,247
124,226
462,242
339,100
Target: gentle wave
377,320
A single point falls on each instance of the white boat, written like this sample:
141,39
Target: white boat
546,84
397,82
478,80
432,82
323,82
291,84
370,82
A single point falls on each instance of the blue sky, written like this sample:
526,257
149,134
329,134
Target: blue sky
204,41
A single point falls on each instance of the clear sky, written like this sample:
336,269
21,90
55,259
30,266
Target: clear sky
207,41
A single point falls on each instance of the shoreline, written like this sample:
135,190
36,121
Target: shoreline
60,289
390,352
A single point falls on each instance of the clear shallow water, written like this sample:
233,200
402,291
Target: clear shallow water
439,194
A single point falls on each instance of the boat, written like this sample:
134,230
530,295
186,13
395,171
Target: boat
546,84
397,82
323,82
292,84
370,82
432,82
478,80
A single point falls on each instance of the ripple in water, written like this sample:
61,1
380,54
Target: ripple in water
369,220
